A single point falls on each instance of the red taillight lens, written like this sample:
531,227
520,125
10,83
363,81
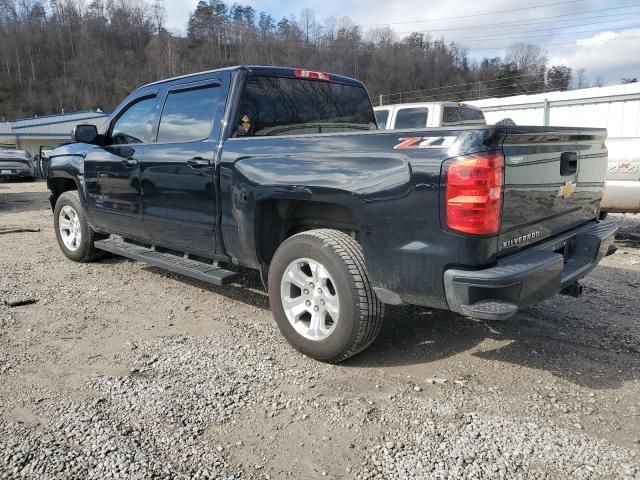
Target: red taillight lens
311,75
474,193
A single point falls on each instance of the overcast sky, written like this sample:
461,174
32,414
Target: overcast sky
600,36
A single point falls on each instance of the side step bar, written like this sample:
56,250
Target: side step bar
182,265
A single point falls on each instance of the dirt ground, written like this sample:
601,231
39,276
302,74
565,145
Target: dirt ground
164,376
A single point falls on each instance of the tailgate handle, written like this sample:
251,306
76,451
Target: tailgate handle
568,163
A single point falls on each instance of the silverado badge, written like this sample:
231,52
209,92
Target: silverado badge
567,189
521,239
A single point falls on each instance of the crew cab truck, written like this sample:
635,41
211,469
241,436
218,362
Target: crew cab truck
284,171
428,114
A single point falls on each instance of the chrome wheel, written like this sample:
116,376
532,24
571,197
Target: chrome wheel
310,299
69,228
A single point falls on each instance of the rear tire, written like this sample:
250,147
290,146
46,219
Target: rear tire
75,236
329,266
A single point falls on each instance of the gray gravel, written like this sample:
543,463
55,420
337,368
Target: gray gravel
122,371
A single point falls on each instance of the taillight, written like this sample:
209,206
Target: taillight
474,193
311,75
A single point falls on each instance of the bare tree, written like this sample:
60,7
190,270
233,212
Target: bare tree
307,22
81,54
599,81
530,62
580,78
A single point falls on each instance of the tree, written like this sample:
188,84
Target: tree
200,21
629,80
580,79
507,80
307,22
599,81
530,62
81,54
266,25
559,77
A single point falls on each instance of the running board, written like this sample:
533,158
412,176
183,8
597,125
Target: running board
182,265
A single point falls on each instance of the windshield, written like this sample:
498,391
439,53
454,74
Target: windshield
288,106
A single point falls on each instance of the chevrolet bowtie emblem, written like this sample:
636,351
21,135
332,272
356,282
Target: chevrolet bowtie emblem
567,189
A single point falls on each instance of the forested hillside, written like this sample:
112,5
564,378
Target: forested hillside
73,55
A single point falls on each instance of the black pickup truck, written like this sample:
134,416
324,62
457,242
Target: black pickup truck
284,171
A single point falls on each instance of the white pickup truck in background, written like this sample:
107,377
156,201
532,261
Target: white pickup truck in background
616,108
622,193
428,114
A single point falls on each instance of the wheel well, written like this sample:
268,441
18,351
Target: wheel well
277,220
58,186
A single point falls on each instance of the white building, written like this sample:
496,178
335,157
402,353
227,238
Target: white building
32,134
615,108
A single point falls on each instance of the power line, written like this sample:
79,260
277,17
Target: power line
464,84
546,29
518,23
462,92
339,45
529,33
556,44
532,92
472,15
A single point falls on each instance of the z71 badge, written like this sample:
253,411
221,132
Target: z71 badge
410,143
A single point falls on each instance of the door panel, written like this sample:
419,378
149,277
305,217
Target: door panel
178,200
113,172
113,188
177,172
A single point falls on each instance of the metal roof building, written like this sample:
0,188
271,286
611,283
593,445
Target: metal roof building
616,108
46,131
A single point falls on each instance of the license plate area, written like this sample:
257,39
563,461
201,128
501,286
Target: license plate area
6,172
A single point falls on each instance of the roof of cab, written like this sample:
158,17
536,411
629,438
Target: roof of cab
258,70
445,103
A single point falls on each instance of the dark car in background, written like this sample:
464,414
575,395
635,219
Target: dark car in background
16,164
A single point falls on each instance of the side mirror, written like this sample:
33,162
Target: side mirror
84,133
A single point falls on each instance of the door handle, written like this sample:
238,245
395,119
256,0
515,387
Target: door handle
129,162
568,163
198,162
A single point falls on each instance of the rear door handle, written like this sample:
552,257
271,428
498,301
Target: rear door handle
198,162
568,163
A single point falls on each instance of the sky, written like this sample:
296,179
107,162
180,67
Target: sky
600,36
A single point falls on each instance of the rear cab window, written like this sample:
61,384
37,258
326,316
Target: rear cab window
189,112
460,116
382,116
274,106
415,117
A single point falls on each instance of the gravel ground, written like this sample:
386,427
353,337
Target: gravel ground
118,370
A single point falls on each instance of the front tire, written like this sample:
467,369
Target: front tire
321,297
75,236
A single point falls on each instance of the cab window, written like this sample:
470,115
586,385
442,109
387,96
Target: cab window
188,114
450,117
411,118
134,124
381,118
273,106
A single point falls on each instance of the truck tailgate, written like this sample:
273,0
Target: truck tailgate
554,181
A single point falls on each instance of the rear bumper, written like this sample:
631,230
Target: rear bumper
529,276
621,196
